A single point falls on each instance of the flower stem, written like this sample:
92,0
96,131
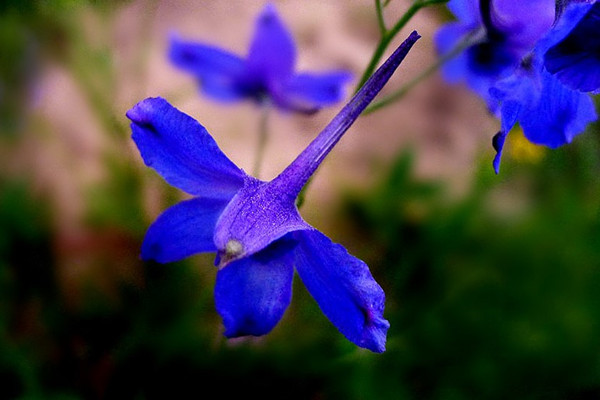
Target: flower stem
388,35
263,135
380,20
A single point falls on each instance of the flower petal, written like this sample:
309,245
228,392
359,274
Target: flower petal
570,14
513,93
480,65
182,151
559,115
578,71
259,214
183,230
465,10
446,39
218,71
513,18
503,32
252,293
498,144
576,59
550,113
272,53
344,288
314,90
510,113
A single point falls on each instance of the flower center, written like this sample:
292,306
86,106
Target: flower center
233,248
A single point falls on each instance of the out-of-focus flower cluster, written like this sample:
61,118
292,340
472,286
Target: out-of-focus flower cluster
533,62
265,75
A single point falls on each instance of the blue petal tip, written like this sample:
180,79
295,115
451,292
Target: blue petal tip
498,144
140,113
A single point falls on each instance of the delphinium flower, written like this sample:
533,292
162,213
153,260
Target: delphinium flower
266,74
255,227
549,113
500,34
573,53
517,62
550,104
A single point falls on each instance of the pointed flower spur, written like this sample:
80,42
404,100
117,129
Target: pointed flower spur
265,74
255,227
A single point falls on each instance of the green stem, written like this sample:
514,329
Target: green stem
142,54
380,20
400,93
302,195
263,134
384,41
388,35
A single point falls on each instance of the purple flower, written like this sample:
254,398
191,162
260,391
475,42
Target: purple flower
549,113
255,227
573,53
266,74
525,63
550,103
502,32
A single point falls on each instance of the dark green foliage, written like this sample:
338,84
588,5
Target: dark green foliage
486,305
26,285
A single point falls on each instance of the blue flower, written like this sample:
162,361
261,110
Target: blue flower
527,69
255,227
501,33
549,113
267,72
573,53
550,104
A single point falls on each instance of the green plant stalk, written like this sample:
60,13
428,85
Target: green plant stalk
400,93
380,20
384,41
388,35
263,135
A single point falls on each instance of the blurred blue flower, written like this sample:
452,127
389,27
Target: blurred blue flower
550,104
501,33
526,68
255,227
266,74
573,53
549,113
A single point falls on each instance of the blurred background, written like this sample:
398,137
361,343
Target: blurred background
491,281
